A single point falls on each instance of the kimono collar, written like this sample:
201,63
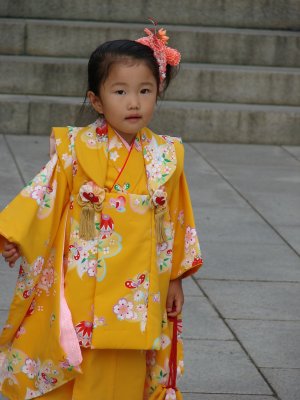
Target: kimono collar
92,147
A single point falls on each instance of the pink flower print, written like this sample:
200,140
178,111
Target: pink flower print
150,357
92,268
85,254
181,217
29,282
190,236
38,193
20,331
48,277
164,341
38,265
170,394
21,285
123,309
30,368
140,307
91,142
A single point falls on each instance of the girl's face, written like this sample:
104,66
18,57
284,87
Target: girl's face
127,97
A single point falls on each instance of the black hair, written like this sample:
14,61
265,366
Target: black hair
109,53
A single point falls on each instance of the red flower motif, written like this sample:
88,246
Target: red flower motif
160,201
84,330
197,261
101,130
91,197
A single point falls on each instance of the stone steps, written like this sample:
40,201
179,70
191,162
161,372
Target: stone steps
193,121
196,82
266,14
197,44
239,79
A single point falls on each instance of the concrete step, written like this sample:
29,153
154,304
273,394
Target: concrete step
273,14
195,82
193,121
197,44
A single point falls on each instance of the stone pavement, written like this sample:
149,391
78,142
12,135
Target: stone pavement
242,309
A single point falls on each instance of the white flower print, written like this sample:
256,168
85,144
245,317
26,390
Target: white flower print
38,265
105,250
114,155
170,394
92,268
190,237
164,341
67,158
146,285
124,309
138,296
30,368
38,193
47,279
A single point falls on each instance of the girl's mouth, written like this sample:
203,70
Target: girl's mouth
133,117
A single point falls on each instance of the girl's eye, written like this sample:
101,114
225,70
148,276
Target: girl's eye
120,91
145,91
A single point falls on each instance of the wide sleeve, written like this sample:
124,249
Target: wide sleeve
31,220
187,257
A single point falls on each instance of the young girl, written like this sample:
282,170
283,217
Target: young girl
106,233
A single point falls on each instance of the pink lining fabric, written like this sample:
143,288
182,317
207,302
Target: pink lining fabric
68,337
127,145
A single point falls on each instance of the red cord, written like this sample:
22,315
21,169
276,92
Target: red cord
173,356
124,165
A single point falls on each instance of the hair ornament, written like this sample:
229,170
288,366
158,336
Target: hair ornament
157,41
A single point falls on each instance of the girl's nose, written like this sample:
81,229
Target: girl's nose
133,103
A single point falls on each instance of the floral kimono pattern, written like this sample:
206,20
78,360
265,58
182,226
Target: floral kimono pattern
96,276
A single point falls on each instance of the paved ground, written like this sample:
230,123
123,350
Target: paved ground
242,310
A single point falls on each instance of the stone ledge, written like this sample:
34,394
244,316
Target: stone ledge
274,14
195,82
63,38
200,122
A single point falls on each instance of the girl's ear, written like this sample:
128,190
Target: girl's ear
95,102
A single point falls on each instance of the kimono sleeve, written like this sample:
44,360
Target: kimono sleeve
31,220
186,249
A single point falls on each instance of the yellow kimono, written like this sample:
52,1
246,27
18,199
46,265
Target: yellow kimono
93,273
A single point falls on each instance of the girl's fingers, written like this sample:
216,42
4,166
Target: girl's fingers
176,309
172,311
9,253
170,304
11,258
9,245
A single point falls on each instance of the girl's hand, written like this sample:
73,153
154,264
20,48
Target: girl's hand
175,298
11,253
